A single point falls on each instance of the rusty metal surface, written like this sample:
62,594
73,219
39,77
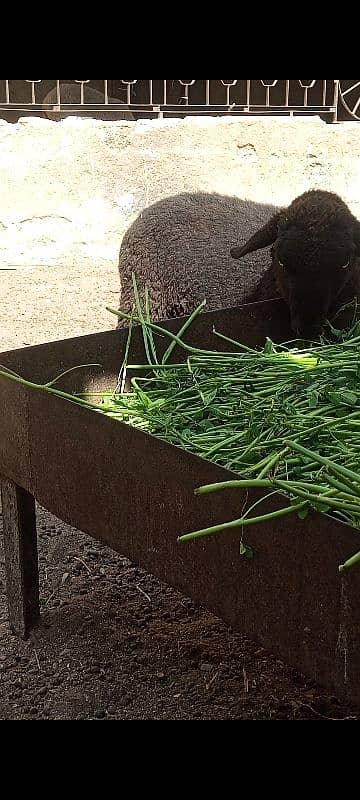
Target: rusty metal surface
135,494
21,557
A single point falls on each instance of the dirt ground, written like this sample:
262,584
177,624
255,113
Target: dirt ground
114,643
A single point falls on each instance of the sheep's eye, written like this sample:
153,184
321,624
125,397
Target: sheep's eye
347,265
281,264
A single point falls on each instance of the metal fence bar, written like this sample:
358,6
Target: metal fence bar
180,97
324,92
336,100
207,99
287,93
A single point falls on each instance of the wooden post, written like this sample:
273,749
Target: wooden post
21,557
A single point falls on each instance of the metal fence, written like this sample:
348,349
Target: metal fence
332,99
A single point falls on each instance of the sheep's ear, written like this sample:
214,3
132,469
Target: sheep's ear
263,238
357,235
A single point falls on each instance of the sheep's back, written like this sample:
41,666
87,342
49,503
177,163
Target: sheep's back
180,249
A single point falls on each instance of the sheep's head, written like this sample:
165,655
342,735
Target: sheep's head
315,253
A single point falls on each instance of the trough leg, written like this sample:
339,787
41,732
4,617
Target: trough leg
21,557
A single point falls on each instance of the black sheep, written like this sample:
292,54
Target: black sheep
315,257
180,249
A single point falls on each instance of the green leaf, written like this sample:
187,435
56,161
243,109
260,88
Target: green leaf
351,398
313,399
209,398
344,398
246,552
206,425
335,332
322,507
269,348
304,513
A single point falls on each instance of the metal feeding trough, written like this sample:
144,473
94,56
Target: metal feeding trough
135,494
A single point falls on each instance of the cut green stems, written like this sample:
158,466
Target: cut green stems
352,562
242,523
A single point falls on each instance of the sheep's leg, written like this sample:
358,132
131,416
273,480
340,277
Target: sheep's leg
21,557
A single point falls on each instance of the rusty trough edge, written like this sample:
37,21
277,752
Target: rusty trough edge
134,493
